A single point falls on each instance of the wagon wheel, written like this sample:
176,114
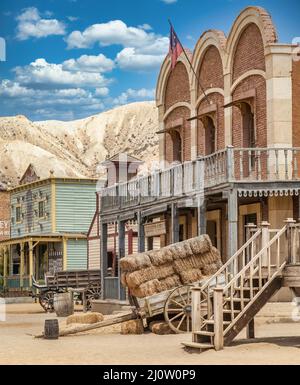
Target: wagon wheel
92,293
178,309
46,301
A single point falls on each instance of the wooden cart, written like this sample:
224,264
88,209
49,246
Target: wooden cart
60,282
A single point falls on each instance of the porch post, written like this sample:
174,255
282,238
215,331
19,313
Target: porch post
174,223
232,223
121,254
22,264
141,233
265,239
30,244
5,266
201,213
103,256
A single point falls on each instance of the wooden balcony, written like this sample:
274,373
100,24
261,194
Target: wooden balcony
216,172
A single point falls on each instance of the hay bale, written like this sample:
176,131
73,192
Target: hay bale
189,263
86,318
191,276
160,328
123,279
132,327
201,244
146,289
210,269
139,277
135,262
181,250
160,257
169,283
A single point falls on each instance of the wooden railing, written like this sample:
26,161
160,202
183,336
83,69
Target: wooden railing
226,166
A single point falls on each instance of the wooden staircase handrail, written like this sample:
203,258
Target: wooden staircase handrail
230,261
254,259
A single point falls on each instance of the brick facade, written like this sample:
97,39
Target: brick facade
4,215
184,130
249,53
178,88
211,70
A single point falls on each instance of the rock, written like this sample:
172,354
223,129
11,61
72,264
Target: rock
132,327
85,318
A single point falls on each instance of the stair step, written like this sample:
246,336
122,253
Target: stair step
197,345
229,311
245,288
212,322
228,299
204,333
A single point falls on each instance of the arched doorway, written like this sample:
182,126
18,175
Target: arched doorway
248,132
177,146
210,135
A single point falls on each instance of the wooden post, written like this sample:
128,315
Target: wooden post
289,222
5,265
249,233
250,331
232,241
196,312
218,317
265,239
103,256
141,233
31,272
22,265
174,223
201,211
121,254
230,163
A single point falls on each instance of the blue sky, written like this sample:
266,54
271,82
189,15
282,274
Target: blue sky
69,59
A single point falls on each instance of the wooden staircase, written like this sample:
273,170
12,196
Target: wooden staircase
228,301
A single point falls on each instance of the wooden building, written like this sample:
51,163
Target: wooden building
50,219
228,141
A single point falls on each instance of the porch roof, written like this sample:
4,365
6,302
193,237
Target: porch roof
53,237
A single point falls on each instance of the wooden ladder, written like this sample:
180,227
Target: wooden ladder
230,299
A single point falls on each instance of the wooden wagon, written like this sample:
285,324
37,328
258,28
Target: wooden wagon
85,281
175,305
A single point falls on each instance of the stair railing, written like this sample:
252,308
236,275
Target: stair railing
224,275
260,267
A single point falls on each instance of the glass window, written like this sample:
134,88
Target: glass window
18,214
41,209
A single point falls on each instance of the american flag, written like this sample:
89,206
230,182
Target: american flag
175,47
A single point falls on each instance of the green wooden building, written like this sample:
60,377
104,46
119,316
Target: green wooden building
50,219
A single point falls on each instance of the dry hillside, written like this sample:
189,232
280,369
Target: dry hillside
75,148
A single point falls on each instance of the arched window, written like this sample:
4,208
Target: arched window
248,126
177,146
210,135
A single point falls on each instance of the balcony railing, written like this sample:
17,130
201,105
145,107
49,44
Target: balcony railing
231,165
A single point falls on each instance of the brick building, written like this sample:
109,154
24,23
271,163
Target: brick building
228,140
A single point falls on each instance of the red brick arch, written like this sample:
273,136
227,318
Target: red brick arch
177,86
249,52
211,70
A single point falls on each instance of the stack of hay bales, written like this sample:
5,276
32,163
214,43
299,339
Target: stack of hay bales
183,263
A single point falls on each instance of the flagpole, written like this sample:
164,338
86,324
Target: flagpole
186,55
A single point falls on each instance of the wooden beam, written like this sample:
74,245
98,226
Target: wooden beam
174,223
31,272
22,265
121,254
103,255
141,233
250,330
218,317
201,202
232,239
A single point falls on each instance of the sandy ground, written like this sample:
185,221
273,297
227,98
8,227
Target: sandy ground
277,342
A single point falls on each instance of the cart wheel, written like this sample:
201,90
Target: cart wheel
92,293
46,301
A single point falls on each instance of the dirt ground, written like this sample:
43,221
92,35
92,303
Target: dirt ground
278,342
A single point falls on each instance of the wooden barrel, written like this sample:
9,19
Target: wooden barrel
51,329
63,304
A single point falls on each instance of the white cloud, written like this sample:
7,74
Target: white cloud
103,91
130,59
90,63
30,24
169,1
133,95
146,27
41,74
115,32
72,18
